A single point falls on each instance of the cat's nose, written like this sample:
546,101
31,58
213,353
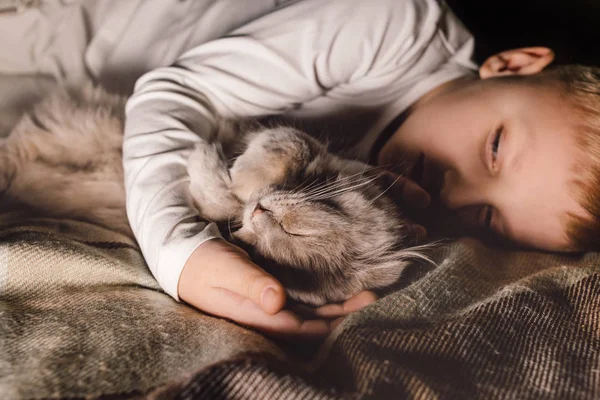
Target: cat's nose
259,209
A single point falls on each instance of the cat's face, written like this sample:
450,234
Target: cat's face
321,224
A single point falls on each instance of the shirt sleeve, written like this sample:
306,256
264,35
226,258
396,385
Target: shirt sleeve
276,63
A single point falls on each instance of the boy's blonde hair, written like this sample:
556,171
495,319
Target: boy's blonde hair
580,87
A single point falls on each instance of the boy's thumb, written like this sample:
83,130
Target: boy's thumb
272,299
227,266
254,283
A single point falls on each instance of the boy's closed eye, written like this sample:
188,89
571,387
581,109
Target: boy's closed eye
486,213
486,218
492,150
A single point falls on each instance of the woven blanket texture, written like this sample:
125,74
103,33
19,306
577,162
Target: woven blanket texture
82,317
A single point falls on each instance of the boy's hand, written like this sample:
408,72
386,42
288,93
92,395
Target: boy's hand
220,279
409,195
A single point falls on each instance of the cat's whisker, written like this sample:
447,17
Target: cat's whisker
321,186
384,191
394,166
342,183
358,175
314,184
339,182
327,189
300,188
337,192
411,253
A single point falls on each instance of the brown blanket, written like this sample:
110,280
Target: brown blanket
81,316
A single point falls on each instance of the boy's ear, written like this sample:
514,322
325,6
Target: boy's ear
523,61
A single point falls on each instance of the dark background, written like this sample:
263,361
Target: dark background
570,27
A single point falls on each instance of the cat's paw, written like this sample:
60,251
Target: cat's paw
210,183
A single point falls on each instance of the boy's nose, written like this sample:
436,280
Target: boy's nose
448,198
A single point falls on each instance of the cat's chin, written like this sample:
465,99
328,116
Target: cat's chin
246,235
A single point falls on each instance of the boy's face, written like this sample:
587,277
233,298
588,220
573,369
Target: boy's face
501,153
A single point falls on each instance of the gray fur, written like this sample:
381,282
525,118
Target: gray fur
327,230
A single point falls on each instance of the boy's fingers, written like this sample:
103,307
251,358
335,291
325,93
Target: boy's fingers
240,275
282,324
416,232
360,301
414,195
336,322
420,232
303,311
402,188
354,303
407,190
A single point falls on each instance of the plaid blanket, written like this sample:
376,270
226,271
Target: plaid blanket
81,317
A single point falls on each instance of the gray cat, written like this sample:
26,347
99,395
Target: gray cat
323,225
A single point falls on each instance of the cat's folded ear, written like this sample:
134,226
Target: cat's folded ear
272,157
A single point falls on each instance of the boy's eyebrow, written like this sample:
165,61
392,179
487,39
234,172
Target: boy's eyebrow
514,164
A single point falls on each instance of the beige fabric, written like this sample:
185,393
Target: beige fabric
80,315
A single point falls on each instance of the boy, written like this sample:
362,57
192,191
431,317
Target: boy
390,77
